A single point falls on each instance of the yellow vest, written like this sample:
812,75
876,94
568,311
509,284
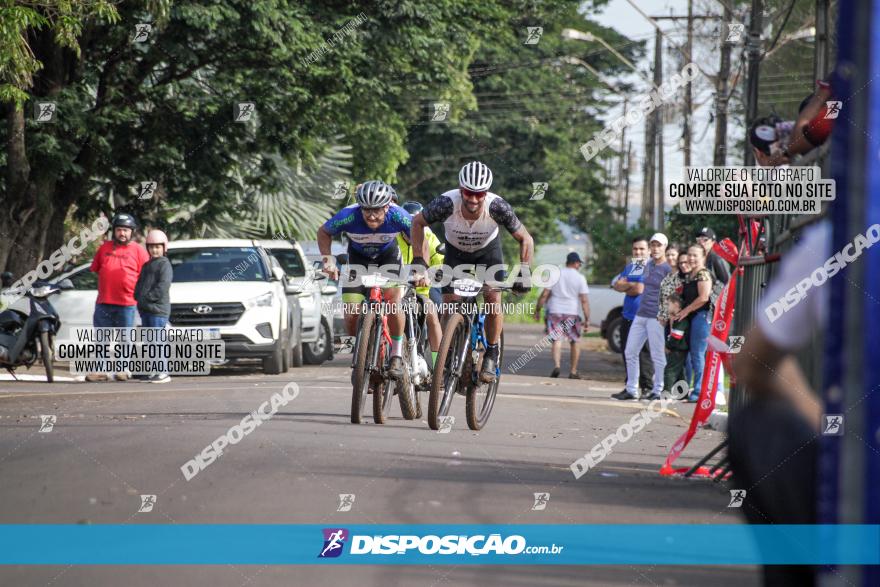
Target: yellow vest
406,254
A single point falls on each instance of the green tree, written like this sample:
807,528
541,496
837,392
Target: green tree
162,109
533,111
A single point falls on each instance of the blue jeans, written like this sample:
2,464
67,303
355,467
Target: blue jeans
155,321
111,315
699,340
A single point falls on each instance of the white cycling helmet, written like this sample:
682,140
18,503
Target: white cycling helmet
475,176
374,194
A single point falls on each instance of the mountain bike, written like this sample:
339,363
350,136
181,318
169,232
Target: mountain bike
416,359
372,356
460,359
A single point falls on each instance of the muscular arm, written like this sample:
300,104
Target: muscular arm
526,244
542,300
419,242
325,241
585,306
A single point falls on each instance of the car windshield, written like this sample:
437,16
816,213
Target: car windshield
217,264
290,261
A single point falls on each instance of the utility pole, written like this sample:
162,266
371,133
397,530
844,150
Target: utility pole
620,166
722,93
657,204
754,53
629,154
820,61
688,100
648,170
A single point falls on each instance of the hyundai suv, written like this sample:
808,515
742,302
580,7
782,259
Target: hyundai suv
231,285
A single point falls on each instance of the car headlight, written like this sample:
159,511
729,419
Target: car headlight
264,300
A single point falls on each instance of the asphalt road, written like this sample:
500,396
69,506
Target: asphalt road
114,441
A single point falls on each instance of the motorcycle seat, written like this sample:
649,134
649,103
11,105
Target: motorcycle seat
10,319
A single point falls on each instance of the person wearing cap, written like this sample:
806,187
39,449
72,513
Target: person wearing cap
646,326
715,264
563,301
152,290
118,264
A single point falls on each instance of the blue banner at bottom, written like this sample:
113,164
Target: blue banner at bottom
438,544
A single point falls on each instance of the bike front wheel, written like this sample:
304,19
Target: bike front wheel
362,369
481,397
447,371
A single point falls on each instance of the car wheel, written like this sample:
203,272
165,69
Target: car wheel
273,364
296,355
319,351
613,334
285,355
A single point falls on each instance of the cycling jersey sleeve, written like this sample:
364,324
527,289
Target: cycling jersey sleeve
340,220
438,209
400,220
502,212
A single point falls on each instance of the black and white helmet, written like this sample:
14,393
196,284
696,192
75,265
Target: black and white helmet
475,176
374,194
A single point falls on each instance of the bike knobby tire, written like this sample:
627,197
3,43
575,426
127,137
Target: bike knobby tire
445,380
361,379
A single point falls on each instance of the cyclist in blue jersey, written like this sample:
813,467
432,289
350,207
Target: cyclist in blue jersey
372,226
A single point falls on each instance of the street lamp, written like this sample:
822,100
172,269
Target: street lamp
572,60
590,37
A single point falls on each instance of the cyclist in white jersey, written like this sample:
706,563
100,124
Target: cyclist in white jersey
471,217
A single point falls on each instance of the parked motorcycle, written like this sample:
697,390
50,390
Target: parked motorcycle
26,337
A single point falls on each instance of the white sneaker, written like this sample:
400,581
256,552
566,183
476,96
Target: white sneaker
159,378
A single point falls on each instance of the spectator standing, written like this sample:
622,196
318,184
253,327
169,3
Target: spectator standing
676,344
672,257
695,297
646,327
118,264
673,284
716,265
720,276
563,300
629,281
152,290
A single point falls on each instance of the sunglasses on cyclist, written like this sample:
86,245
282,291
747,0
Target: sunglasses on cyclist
470,194
374,212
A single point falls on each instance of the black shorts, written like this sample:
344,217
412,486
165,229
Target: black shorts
390,256
487,257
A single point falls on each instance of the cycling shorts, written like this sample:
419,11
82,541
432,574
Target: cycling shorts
357,293
487,257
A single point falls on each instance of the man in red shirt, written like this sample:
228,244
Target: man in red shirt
118,264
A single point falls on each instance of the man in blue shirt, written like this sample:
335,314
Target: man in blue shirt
646,326
629,281
372,226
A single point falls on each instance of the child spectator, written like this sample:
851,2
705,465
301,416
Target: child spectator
152,290
676,344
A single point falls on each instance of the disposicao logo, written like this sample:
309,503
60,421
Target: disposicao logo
334,541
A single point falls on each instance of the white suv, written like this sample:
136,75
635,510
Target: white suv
231,285
312,289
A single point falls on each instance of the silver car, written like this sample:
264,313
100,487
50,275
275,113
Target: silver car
312,290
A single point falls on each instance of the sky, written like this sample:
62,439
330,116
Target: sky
621,16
